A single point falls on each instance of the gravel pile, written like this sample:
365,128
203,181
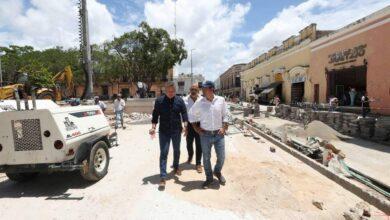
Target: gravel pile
133,118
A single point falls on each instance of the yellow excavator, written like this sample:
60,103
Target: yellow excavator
64,87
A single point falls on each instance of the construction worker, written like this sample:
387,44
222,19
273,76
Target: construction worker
192,134
119,107
208,116
101,104
170,111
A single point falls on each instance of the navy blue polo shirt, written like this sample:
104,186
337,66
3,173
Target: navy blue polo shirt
169,113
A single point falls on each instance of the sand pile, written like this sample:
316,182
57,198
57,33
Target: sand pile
313,129
323,131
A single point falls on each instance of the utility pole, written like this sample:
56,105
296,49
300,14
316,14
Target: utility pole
174,24
85,49
192,73
1,72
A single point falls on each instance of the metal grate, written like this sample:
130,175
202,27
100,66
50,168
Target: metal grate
27,134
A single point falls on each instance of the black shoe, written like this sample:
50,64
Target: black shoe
221,179
207,184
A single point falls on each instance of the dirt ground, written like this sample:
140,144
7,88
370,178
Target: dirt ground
260,185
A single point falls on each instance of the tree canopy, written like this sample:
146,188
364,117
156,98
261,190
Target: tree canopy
145,54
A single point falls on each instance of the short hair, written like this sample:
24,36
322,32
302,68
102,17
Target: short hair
170,84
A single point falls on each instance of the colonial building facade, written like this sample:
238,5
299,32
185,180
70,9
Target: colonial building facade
183,82
354,57
283,70
107,90
230,81
317,65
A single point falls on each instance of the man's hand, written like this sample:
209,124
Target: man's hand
222,131
199,130
152,131
185,131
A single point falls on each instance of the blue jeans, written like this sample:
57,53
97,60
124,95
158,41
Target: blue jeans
165,140
118,116
207,140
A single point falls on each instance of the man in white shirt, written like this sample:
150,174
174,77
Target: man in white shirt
101,104
211,112
191,133
119,107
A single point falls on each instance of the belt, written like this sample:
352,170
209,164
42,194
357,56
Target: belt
211,132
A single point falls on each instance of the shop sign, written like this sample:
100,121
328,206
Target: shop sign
278,77
347,55
298,79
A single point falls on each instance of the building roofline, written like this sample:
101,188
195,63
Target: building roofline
371,19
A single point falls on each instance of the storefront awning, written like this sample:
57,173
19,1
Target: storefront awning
272,85
266,91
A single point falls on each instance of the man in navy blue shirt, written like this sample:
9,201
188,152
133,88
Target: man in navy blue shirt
170,111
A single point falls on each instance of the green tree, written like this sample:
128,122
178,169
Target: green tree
146,54
52,60
38,75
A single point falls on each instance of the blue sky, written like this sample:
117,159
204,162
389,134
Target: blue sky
222,32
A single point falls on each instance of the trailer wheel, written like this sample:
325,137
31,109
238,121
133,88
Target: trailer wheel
21,177
96,166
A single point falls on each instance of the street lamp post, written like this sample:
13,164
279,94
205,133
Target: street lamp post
192,74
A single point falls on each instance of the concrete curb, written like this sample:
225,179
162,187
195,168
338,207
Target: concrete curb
374,199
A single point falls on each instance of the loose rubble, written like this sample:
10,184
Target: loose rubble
133,118
352,124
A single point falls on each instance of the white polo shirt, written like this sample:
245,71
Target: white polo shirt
190,102
211,115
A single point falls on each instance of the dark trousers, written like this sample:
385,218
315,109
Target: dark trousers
365,111
165,140
191,136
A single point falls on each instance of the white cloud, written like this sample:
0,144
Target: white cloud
53,23
328,14
207,26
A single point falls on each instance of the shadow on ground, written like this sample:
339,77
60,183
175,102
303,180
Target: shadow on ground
52,186
369,144
186,185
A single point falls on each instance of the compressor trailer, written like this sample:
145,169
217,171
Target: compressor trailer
49,138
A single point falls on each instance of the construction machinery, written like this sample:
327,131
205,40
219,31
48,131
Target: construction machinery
43,137
64,87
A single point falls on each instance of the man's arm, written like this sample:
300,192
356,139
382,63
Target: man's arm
155,116
183,111
225,121
194,117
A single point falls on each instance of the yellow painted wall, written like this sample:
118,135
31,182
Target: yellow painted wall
296,56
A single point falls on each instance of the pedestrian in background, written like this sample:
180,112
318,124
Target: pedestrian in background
119,107
333,103
211,114
365,105
101,104
192,134
276,100
352,94
170,111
